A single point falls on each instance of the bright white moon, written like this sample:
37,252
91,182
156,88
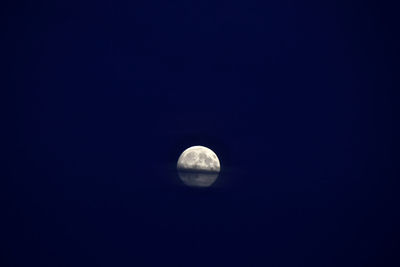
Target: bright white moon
199,158
198,166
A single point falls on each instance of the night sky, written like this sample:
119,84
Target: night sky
297,99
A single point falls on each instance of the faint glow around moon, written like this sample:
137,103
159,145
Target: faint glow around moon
198,166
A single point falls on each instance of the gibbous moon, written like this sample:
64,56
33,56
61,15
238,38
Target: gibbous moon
198,166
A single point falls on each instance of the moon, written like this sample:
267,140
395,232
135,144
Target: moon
198,166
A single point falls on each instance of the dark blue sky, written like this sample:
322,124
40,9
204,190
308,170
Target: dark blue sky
296,98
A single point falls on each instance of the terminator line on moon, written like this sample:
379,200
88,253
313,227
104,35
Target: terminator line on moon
198,166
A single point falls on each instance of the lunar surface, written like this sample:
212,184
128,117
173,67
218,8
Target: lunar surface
198,179
198,166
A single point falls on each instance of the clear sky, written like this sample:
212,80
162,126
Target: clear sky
296,98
